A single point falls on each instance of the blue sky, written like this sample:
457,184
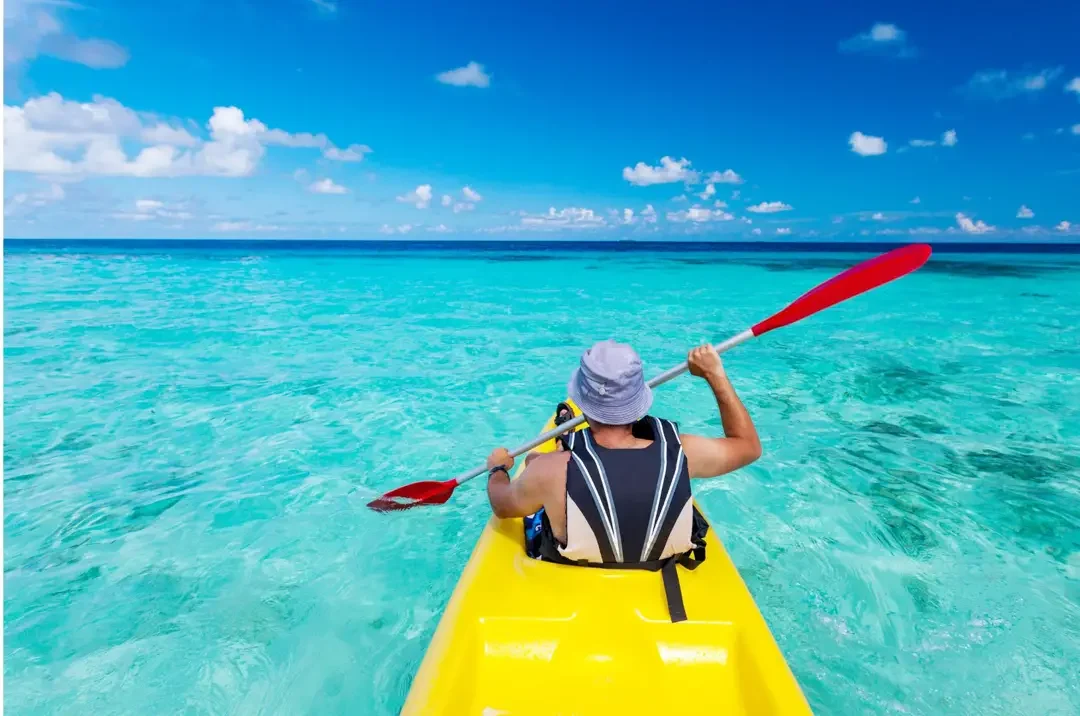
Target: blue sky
340,119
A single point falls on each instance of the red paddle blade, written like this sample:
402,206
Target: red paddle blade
427,492
857,279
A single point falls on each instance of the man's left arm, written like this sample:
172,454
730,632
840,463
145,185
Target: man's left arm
519,497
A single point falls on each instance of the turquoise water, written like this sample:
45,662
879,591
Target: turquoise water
190,439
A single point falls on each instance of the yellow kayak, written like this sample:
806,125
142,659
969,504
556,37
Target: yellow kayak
521,636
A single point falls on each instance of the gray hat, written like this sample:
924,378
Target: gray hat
609,386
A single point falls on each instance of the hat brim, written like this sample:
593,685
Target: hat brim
630,412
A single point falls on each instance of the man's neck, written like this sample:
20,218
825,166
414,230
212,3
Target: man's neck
614,436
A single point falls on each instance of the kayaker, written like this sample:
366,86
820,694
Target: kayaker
619,491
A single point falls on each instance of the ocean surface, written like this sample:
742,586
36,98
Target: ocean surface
191,433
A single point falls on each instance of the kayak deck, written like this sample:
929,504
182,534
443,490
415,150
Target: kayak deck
521,636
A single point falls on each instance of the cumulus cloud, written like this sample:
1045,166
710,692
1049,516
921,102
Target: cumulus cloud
447,200
440,229
471,75
463,206
948,139
1003,84
648,214
877,216
420,197
710,191
153,209
783,230
400,229
923,142
756,232
351,153
866,145
769,207
327,186
1073,86
669,171
1063,226
698,214
568,218
471,194
882,38
1024,213
50,135
725,177
971,227
680,198
916,200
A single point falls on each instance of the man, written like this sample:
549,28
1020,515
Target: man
620,493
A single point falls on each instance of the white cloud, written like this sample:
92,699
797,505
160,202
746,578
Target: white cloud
153,209
24,202
628,217
50,135
877,216
756,232
471,75
329,6
769,207
1063,226
244,226
972,227
327,186
883,39
568,218
725,177
923,142
668,172
1002,84
866,145
167,134
783,230
1073,85
698,214
746,220
735,194
33,28
648,214
352,153
710,191
420,197
471,194
838,220
1024,213
916,200
924,230
680,198
719,204
463,206
1075,129
447,200
440,229
401,229
948,139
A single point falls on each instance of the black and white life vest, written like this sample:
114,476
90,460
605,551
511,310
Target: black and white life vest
630,508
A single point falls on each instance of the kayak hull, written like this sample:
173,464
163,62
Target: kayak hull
521,636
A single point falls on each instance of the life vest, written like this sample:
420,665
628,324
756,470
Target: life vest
630,508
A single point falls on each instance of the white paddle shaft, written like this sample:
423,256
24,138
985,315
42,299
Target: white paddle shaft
574,422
